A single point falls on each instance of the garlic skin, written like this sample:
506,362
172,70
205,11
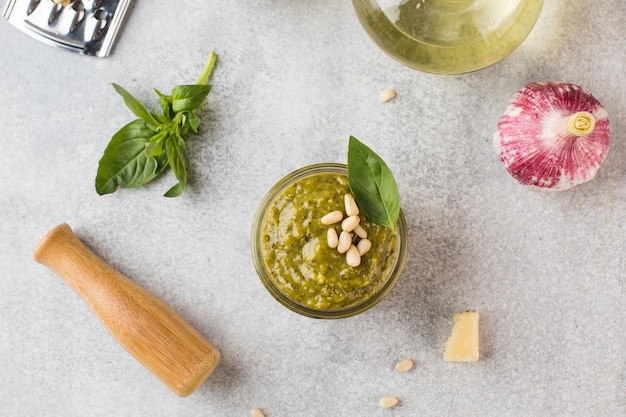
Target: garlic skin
553,135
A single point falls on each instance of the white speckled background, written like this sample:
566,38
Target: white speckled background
294,80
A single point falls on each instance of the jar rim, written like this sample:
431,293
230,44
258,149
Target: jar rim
266,277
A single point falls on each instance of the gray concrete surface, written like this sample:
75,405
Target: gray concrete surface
294,80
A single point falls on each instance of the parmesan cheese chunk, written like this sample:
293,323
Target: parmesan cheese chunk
462,345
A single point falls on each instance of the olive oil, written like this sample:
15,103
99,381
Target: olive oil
448,36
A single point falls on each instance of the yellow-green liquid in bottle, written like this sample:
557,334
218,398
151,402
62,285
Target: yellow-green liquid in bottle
448,36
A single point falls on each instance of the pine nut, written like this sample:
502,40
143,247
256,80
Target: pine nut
345,240
351,208
352,256
333,239
256,412
332,217
388,402
364,246
404,366
349,223
360,232
386,95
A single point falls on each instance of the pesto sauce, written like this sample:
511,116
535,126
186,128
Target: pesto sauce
297,254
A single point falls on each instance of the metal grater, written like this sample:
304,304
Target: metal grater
88,27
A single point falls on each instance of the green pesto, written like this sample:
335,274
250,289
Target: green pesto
297,254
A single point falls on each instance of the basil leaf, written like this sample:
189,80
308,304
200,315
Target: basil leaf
373,185
191,121
175,191
163,120
159,136
177,162
180,142
154,148
189,97
166,104
124,162
155,145
135,105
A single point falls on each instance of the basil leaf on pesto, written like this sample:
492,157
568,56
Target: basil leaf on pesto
373,185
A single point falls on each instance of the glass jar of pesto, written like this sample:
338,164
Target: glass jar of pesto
292,256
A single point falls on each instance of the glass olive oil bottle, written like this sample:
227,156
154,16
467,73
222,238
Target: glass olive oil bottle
448,36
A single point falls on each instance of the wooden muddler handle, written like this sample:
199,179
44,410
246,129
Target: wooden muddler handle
143,324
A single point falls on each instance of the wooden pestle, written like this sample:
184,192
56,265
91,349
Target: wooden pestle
143,324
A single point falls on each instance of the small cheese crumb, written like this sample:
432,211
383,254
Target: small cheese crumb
462,345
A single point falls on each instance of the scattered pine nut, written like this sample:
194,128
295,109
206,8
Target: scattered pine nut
256,412
332,237
364,246
351,208
353,258
332,217
345,241
388,402
350,223
386,95
360,232
404,366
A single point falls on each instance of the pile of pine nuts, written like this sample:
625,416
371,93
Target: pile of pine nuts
349,225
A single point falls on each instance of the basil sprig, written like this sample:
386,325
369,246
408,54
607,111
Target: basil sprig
373,185
142,149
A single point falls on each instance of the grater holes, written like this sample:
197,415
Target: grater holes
88,27
55,12
78,10
100,20
92,4
32,6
